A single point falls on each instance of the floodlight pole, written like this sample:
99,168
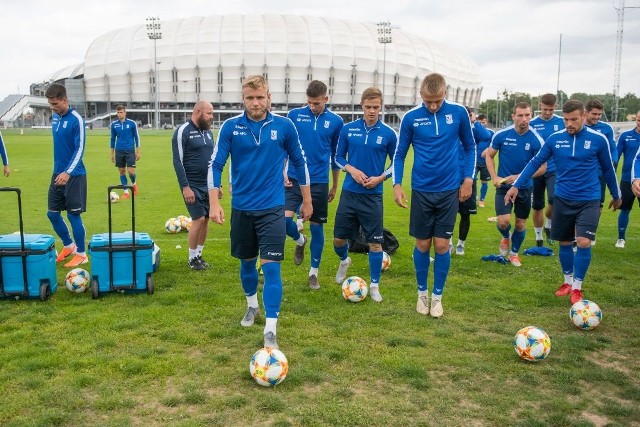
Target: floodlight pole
384,37
154,33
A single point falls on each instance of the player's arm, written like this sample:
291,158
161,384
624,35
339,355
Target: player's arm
335,170
404,140
78,136
609,175
136,140
469,146
214,175
112,144
490,154
296,159
4,156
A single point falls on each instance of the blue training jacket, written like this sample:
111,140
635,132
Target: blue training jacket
319,139
3,152
124,135
578,158
606,130
545,128
68,143
483,136
435,138
628,146
366,148
257,160
515,151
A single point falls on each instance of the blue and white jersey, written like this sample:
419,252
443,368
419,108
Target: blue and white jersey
192,150
257,159
3,152
545,128
366,148
483,136
578,158
68,143
124,135
319,139
606,130
435,138
628,146
515,151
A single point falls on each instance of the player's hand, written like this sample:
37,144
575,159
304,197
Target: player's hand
137,155
189,196
287,183
113,158
220,193
399,196
216,213
373,181
498,181
306,210
7,170
511,195
357,175
635,187
465,190
61,179
332,194
615,204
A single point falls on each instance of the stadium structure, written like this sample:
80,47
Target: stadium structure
208,57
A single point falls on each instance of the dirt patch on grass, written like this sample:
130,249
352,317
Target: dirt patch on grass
608,359
596,420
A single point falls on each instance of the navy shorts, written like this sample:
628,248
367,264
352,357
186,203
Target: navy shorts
71,197
483,173
627,196
200,206
522,206
469,206
258,232
433,214
125,158
540,184
574,218
357,210
319,200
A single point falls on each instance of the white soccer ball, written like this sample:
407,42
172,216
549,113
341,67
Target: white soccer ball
585,314
268,367
532,344
185,222
78,280
172,226
354,289
386,261
113,197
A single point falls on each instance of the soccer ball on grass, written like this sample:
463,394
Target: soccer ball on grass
585,314
268,366
172,226
78,280
354,289
386,261
185,222
532,344
113,197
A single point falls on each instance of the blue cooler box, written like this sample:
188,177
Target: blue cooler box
41,266
122,253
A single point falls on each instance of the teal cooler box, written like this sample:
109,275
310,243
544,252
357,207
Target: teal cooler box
30,273
121,265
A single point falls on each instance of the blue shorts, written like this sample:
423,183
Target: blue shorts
71,197
200,206
522,205
469,206
574,218
357,210
540,184
319,200
258,232
433,214
125,158
627,196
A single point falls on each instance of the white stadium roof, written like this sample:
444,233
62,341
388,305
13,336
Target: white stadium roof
207,57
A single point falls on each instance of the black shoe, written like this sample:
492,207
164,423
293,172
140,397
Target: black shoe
196,264
539,243
203,262
547,233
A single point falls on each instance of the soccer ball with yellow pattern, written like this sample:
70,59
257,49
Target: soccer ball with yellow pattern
585,314
172,226
532,344
268,367
78,280
354,289
386,261
185,222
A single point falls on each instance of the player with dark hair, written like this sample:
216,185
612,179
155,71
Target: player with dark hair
517,145
192,146
481,164
628,146
125,148
363,148
68,187
318,129
4,156
579,153
258,143
435,129
545,123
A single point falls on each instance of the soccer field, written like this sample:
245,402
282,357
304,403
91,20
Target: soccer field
180,356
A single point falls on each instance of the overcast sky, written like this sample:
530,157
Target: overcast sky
514,42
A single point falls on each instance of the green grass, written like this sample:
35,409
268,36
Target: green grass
180,357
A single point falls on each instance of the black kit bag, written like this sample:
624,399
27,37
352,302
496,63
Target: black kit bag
390,244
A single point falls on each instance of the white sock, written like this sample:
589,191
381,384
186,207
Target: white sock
126,191
300,240
192,253
199,249
423,293
70,245
577,284
435,297
270,325
568,278
547,223
313,271
461,243
538,231
374,285
252,301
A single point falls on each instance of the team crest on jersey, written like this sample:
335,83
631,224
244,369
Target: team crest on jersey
555,127
326,124
274,135
527,146
379,140
449,118
64,124
587,145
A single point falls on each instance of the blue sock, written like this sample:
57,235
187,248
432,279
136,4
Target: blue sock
272,290
343,252
516,239
505,232
582,261
566,258
292,228
77,227
317,244
132,177
375,266
623,222
483,190
440,271
123,179
60,227
249,276
421,262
